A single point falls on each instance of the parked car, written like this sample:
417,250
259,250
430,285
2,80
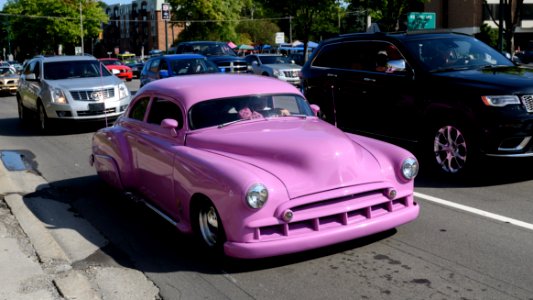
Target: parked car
235,162
9,79
275,65
170,65
136,66
452,96
218,52
69,88
118,68
525,56
16,65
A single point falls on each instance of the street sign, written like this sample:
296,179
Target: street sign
280,37
165,11
421,20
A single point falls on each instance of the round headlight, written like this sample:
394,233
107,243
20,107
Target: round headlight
410,168
257,196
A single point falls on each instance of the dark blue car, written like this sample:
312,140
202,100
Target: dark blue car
170,65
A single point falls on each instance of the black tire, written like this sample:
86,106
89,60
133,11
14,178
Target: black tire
22,111
208,227
42,119
454,151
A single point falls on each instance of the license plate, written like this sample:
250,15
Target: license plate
96,106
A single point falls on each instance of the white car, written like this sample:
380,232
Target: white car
70,88
275,65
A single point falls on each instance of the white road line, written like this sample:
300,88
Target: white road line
475,211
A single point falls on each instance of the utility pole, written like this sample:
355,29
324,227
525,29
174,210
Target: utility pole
290,29
81,28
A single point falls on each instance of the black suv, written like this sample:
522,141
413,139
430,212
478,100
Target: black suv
218,52
452,95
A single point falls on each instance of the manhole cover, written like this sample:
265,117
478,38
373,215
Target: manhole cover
13,161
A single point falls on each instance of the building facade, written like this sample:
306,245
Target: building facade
137,28
468,15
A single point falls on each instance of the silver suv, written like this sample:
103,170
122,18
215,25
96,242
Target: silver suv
275,65
77,88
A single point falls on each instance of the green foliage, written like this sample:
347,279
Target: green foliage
40,26
208,19
488,35
389,14
256,31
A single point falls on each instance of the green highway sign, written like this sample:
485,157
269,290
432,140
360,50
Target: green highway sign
421,20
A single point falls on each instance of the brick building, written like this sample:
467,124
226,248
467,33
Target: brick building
137,28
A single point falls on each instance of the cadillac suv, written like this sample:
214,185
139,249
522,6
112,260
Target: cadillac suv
69,88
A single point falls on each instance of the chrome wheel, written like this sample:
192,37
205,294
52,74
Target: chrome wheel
450,149
209,226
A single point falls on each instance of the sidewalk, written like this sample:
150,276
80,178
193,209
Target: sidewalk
39,264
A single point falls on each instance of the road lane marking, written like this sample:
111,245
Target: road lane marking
475,211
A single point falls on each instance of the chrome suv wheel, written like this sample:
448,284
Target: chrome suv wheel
450,148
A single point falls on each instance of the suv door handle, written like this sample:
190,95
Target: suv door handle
369,79
332,75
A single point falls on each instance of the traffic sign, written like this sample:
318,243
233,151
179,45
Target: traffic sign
280,37
421,20
165,11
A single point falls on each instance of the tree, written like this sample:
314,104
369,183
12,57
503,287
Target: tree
256,32
389,14
305,14
208,20
40,26
511,16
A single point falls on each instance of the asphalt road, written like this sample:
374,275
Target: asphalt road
472,240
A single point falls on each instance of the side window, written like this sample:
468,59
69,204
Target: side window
388,58
37,69
163,65
347,55
164,109
139,109
154,67
29,67
328,57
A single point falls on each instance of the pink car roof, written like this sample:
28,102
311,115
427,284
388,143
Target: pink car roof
191,89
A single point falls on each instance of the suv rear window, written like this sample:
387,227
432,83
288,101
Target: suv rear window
74,69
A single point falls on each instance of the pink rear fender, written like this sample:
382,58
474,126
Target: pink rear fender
112,160
107,169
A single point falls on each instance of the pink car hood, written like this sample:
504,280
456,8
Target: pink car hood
308,156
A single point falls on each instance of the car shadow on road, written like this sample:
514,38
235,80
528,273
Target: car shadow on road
14,127
489,172
140,239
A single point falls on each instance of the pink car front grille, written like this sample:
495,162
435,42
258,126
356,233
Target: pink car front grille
309,221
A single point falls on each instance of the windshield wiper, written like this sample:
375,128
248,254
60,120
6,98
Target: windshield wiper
490,67
447,69
231,122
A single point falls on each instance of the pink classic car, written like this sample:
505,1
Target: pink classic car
243,163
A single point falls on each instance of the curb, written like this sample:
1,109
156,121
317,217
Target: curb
70,283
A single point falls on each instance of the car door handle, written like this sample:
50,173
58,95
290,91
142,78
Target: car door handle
332,75
369,79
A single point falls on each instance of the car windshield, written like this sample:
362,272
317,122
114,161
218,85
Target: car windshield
267,59
74,69
193,66
6,71
444,54
218,112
